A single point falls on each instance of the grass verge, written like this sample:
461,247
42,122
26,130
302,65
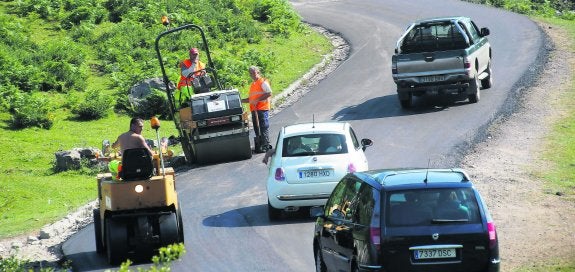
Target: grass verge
560,144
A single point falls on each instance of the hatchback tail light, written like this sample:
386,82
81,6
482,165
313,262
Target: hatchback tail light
375,236
351,168
280,175
492,234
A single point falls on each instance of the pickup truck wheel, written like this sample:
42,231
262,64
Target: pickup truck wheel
406,103
488,81
474,93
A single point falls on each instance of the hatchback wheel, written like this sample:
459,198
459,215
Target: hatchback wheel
273,213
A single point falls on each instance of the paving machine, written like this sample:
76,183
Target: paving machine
138,209
212,124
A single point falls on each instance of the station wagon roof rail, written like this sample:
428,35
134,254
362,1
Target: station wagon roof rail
404,176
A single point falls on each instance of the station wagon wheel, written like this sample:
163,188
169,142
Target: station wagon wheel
98,231
475,94
273,213
319,264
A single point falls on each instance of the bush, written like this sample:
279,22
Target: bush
30,110
63,64
96,105
154,104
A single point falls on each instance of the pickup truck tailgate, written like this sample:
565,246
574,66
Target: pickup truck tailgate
430,63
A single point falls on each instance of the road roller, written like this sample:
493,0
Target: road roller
212,124
138,210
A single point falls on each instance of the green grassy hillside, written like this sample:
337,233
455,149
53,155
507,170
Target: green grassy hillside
98,46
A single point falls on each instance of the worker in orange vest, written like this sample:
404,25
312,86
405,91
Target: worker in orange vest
260,104
189,69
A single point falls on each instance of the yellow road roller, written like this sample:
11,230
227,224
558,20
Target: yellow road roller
138,209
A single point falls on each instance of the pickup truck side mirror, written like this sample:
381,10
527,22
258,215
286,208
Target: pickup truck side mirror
484,31
396,51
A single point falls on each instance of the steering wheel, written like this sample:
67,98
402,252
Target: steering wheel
195,74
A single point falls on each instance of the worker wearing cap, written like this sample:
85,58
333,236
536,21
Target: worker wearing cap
190,68
260,104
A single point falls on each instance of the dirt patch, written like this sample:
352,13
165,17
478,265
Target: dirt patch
534,226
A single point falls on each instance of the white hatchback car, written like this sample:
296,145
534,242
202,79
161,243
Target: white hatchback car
308,162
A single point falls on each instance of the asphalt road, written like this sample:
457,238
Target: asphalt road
224,205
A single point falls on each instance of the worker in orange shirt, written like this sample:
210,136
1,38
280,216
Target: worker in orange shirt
260,104
189,69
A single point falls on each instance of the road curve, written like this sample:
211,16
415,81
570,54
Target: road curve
224,205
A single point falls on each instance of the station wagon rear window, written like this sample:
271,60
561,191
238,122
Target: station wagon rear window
432,207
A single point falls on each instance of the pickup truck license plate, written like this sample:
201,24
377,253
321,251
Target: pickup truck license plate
316,173
434,253
427,79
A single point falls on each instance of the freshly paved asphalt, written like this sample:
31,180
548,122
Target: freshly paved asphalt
224,205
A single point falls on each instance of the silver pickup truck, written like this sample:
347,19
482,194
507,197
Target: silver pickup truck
442,55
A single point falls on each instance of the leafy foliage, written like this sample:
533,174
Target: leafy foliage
564,9
116,38
62,66
162,261
96,105
154,104
30,110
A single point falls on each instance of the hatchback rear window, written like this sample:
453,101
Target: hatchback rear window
431,207
314,144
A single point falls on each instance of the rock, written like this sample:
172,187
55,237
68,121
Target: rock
88,152
16,245
66,160
32,239
44,235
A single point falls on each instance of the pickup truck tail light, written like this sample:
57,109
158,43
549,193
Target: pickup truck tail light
467,66
394,67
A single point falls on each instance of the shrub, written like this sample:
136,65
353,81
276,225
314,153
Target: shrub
30,110
96,105
63,64
278,14
154,104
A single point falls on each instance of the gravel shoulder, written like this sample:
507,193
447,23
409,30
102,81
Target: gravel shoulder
534,226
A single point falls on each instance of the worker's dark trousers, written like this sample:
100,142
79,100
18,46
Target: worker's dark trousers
264,125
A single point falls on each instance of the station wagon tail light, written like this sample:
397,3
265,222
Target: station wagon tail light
351,168
492,234
280,175
375,236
